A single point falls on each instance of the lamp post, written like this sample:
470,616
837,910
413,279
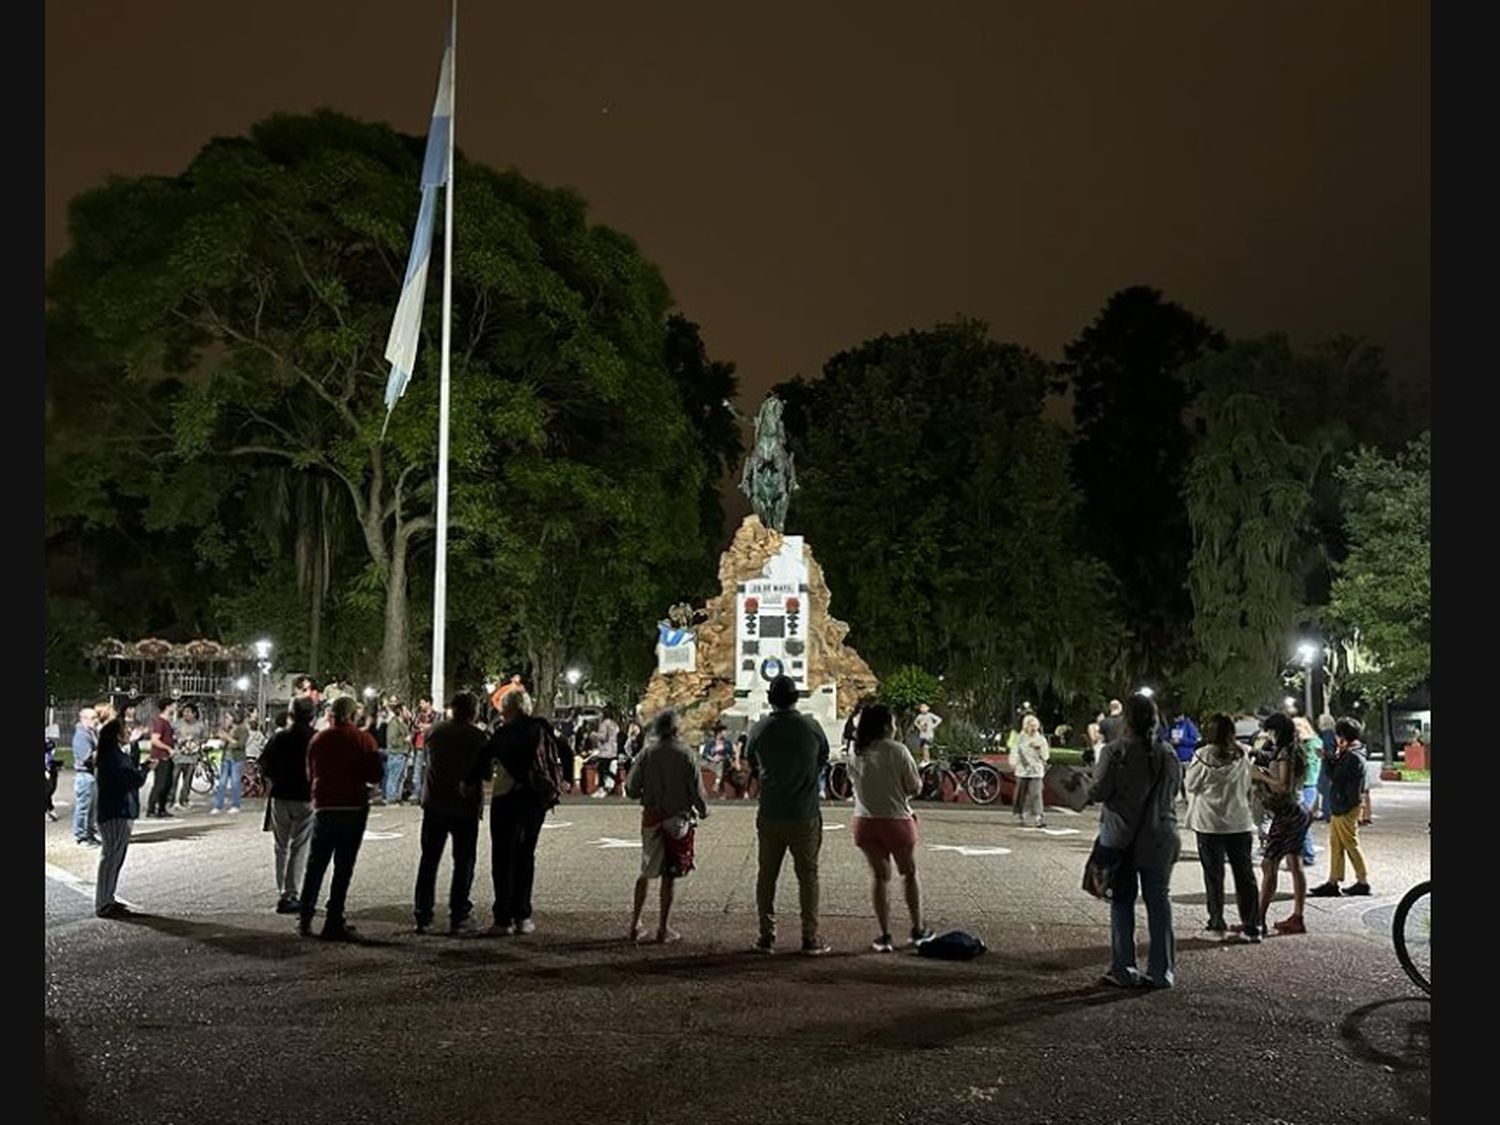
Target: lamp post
1307,652
263,663
574,678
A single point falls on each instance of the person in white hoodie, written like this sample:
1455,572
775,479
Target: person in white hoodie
1029,758
1218,788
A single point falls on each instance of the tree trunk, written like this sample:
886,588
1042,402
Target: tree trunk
394,658
546,666
315,633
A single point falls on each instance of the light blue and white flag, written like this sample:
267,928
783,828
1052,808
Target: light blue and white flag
406,328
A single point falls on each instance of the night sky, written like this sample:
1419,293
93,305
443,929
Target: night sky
810,175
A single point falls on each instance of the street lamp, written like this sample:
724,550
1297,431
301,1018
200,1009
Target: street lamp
1146,691
574,676
242,684
1290,702
369,692
1307,652
263,663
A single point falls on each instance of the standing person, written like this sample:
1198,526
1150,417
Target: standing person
1313,745
1218,812
1330,747
1183,735
666,780
397,750
1281,783
190,737
788,750
1096,744
342,762
49,775
1029,759
605,755
516,811
1136,783
927,723
283,766
717,752
232,763
497,697
120,777
1346,777
1112,725
885,779
452,804
85,742
163,745
423,723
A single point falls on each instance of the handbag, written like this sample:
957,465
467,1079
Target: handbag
1103,863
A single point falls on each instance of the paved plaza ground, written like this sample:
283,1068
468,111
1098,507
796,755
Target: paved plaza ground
208,1008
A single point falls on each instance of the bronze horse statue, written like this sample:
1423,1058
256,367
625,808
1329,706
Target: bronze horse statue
769,477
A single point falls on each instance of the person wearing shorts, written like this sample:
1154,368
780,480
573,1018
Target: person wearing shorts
885,779
667,782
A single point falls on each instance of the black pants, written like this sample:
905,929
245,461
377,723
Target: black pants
436,828
161,788
336,835
1213,848
515,826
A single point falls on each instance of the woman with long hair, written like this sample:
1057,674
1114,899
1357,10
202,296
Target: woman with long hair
1314,747
1281,784
1136,784
1218,789
885,779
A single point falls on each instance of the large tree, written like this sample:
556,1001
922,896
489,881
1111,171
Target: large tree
235,317
1129,458
938,501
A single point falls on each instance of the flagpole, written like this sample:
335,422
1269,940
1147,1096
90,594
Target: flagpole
440,572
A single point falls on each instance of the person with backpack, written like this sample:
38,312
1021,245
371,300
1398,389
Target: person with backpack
527,778
1136,784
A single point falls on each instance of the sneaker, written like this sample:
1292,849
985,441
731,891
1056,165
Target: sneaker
1215,933
214,812
597,794
1240,936
1292,925
112,910
502,929
460,926
525,926
919,934
339,933
234,811
815,947
1132,979
51,818
765,945
883,944
1358,889
1325,890
422,928
287,906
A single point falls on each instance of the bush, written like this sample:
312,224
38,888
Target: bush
959,738
907,688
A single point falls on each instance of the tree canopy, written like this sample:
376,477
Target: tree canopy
216,381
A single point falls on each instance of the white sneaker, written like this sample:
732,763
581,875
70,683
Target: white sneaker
234,812
214,812
525,926
597,794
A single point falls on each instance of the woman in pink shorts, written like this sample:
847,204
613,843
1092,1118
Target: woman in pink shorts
885,780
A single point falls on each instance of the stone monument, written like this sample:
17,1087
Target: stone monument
771,617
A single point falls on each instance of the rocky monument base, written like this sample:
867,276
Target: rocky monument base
771,617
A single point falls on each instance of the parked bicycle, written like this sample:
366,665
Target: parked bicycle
944,781
1411,931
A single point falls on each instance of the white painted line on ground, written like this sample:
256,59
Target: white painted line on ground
382,835
967,849
832,827
1062,831
1064,810
69,880
605,842
557,824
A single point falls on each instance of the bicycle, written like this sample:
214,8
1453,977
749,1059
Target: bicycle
943,781
1411,932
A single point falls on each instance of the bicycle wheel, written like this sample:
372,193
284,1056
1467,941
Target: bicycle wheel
1412,933
839,785
984,784
204,777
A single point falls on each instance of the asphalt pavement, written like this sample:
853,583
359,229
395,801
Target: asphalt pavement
208,1008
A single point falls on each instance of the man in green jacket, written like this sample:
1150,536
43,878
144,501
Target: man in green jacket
789,750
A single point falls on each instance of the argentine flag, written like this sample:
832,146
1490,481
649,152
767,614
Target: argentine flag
406,328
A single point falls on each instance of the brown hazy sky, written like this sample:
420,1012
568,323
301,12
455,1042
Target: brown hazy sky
810,175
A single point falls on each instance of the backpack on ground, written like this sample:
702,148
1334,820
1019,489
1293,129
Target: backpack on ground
546,779
955,945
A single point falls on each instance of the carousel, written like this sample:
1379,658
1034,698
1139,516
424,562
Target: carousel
202,669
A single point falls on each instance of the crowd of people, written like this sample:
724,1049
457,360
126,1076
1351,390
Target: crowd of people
326,765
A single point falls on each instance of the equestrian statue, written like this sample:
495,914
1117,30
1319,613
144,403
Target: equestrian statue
769,477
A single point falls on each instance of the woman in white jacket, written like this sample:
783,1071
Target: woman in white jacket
1029,758
1218,788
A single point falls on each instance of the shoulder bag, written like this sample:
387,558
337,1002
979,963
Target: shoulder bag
1103,864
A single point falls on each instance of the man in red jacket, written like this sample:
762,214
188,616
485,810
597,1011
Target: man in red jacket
342,762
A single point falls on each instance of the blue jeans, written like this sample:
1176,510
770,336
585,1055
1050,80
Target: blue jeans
1153,885
1309,852
231,771
419,767
83,807
395,770
1322,791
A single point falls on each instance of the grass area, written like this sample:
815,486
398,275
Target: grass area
1062,756
1416,775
